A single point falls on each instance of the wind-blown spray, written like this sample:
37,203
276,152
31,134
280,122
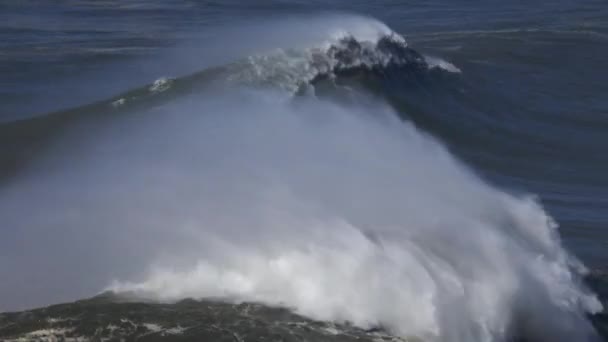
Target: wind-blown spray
340,212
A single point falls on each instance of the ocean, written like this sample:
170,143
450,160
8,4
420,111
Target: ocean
438,169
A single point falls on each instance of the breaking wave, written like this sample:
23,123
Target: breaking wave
348,214
369,47
340,211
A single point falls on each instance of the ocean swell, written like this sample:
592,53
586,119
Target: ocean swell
341,212
334,51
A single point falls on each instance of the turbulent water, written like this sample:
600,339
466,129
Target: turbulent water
435,178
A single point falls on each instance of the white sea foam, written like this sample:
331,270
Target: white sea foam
435,62
153,327
117,103
342,213
296,66
347,214
161,85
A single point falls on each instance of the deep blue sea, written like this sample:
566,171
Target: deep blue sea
438,168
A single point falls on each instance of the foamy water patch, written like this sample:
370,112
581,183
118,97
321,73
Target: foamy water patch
161,84
435,62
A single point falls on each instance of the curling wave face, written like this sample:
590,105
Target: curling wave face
339,211
358,46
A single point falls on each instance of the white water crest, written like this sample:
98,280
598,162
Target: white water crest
348,214
339,212
292,68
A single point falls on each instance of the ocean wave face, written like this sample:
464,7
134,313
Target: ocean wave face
338,210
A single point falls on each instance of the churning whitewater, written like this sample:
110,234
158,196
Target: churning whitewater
335,208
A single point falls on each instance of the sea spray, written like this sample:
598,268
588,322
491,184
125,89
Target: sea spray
339,212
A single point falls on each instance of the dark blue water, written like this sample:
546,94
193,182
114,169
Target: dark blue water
527,109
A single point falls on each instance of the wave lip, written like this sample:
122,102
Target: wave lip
345,46
342,53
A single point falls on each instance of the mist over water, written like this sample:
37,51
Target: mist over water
339,211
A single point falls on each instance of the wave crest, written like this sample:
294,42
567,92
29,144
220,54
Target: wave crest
293,69
342,213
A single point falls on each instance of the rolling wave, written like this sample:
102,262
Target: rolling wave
371,48
224,184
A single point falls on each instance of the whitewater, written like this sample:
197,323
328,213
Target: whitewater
336,208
